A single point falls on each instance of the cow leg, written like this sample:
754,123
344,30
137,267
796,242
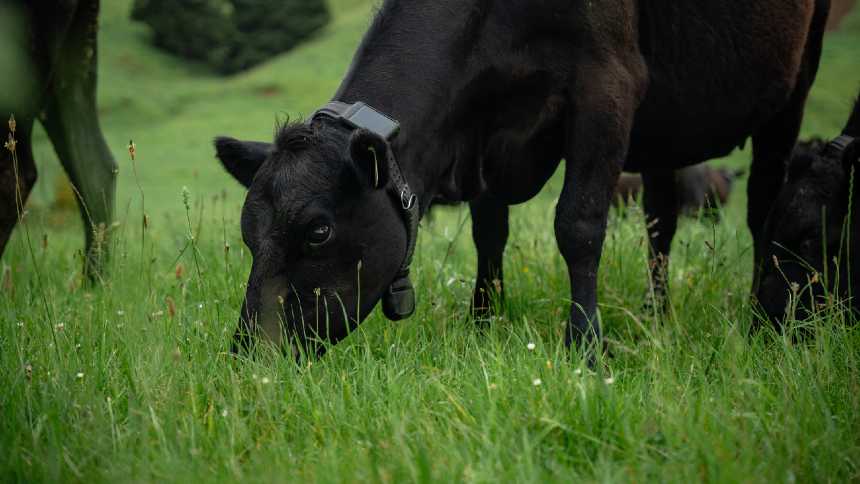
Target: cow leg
660,200
773,144
597,134
490,234
16,182
772,147
71,121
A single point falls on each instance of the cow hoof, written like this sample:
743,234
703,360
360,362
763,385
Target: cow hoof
656,303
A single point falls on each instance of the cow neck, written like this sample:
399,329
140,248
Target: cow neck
415,88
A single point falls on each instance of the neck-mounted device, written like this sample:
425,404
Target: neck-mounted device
837,146
398,302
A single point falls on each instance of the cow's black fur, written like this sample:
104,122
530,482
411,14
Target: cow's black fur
491,96
53,79
806,228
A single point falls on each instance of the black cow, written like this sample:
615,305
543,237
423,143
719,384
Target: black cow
52,77
489,97
699,188
806,229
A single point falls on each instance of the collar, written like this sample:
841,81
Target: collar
838,145
398,302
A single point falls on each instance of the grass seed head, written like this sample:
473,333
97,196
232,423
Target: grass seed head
171,306
10,143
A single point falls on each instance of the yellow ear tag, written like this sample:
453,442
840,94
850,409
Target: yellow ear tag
375,168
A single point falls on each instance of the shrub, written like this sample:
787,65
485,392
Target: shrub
230,35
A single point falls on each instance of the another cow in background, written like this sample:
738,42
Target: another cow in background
699,188
49,73
809,252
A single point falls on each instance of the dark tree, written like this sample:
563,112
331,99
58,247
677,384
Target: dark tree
230,35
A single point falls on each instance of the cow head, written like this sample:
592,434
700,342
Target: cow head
326,236
804,230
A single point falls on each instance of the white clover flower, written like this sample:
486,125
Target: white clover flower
120,312
609,381
224,413
80,375
577,371
265,380
531,346
536,382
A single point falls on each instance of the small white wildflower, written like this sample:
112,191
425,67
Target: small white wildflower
20,324
531,346
80,375
265,380
78,346
120,312
609,381
577,371
536,382
224,413
253,376
61,327
200,306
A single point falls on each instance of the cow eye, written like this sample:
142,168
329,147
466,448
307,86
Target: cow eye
319,234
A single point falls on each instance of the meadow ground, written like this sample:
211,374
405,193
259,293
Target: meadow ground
132,381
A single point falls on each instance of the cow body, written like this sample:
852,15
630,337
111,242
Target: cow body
700,188
492,95
53,46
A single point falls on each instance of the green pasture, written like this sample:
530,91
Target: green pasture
132,381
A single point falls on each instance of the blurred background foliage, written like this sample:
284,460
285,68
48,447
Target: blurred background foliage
230,35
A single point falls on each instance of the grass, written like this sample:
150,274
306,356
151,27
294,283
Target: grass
131,381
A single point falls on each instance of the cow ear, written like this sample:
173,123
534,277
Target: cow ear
370,153
241,159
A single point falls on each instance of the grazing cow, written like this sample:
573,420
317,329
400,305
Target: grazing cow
699,188
478,101
52,77
807,226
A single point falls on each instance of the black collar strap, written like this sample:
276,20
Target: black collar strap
838,145
398,302
360,115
